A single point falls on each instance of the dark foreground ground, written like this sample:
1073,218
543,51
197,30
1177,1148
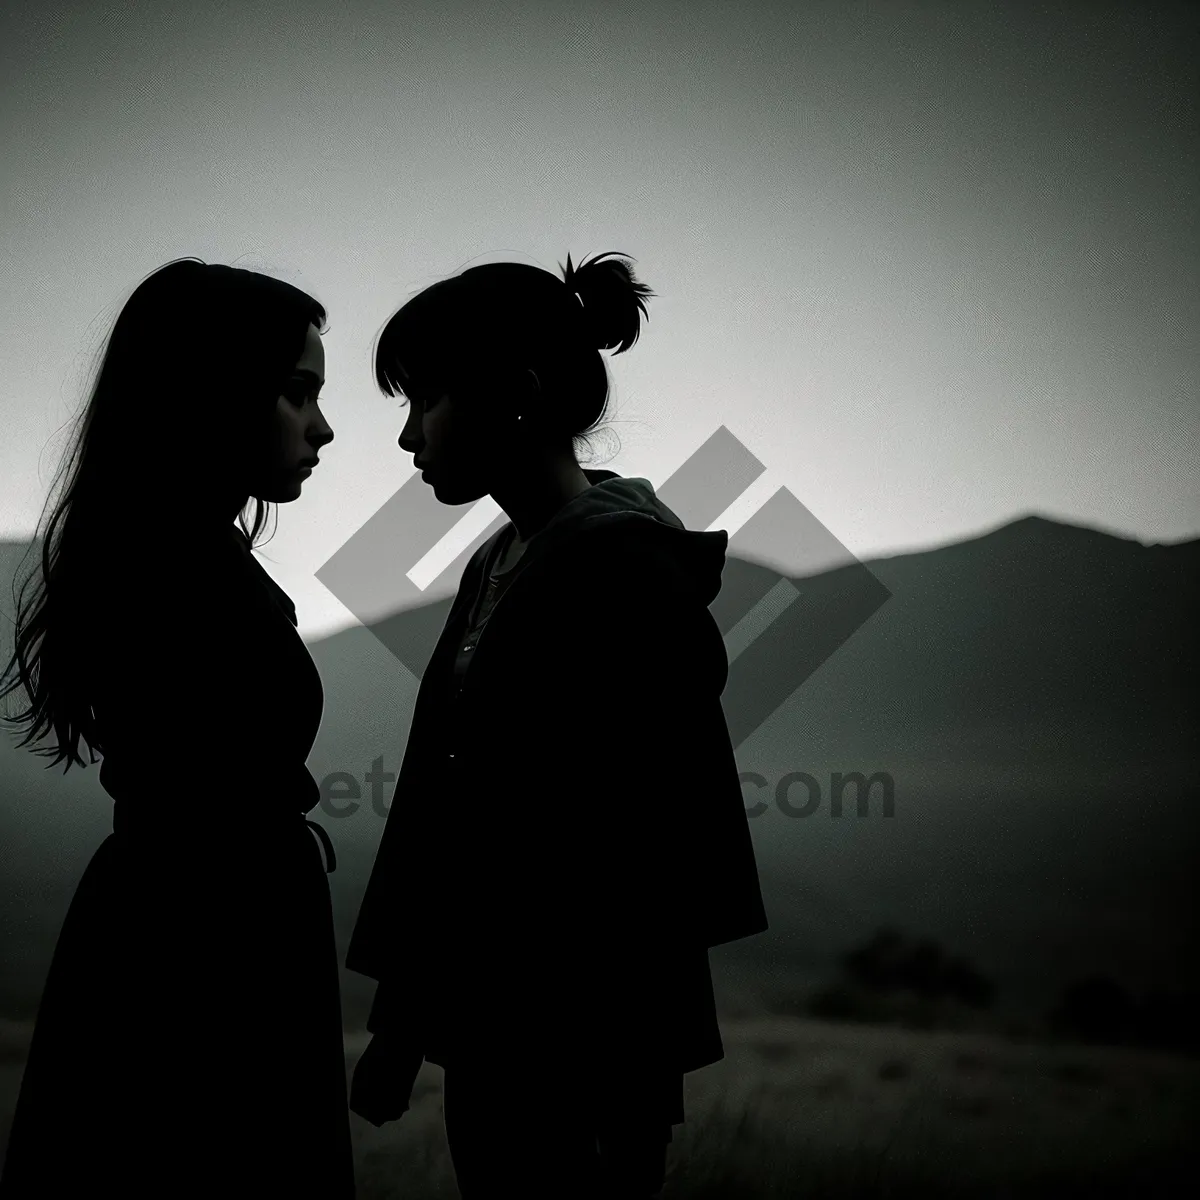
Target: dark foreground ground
803,1108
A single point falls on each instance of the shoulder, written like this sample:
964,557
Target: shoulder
631,596
186,588
627,556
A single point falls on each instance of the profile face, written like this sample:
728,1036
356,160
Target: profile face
300,428
451,445
457,446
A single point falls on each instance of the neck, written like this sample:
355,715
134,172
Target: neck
539,492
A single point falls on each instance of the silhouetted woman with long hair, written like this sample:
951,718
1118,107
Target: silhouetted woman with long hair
189,1037
567,836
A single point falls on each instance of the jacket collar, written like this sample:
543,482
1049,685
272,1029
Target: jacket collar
631,504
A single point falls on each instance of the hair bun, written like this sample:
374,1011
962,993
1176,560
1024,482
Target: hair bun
611,300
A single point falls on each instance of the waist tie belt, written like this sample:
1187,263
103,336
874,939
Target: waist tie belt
326,844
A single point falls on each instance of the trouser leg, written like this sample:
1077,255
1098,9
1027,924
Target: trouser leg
633,1159
514,1140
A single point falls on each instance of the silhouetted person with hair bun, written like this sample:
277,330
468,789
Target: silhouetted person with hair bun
189,1036
540,912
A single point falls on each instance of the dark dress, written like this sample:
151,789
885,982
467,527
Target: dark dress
189,1036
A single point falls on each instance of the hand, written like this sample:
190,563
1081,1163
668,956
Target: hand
383,1079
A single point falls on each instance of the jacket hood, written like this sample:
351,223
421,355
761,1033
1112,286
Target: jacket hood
612,498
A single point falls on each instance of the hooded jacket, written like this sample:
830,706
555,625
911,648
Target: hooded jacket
567,828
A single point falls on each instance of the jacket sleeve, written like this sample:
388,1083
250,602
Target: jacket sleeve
664,781
395,1011
387,1020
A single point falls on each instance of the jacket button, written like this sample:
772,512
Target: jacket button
469,646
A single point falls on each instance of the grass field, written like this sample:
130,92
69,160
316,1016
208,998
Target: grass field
803,1108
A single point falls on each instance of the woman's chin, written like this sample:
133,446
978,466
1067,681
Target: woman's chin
449,492
282,493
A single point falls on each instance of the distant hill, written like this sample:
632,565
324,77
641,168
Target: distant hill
1032,692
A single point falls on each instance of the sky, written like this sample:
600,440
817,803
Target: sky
934,265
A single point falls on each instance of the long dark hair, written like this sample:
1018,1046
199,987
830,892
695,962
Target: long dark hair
199,352
465,333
